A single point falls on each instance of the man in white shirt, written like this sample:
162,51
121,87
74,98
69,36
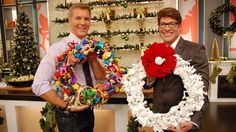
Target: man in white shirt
79,118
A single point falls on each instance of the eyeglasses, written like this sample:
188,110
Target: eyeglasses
170,25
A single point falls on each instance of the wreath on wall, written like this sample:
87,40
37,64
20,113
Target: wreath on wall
161,64
215,21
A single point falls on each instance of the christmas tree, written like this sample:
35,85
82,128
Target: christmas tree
24,56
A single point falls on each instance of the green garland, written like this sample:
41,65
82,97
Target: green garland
110,34
100,18
133,125
48,120
123,3
215,21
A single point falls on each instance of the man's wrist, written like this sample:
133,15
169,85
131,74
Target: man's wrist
64,105
68,108
194,129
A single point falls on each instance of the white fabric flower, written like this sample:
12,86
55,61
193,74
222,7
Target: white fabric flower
159,60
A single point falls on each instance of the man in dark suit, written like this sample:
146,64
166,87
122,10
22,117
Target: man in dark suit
168,90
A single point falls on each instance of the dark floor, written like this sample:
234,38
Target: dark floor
220,117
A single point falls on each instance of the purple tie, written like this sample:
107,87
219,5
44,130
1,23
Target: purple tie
87,74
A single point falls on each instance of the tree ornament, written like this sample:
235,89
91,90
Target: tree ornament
124,4
125,37
25,59
106,12
140,12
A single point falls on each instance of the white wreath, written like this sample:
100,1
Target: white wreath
193,84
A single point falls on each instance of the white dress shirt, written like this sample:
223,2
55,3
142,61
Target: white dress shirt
43,80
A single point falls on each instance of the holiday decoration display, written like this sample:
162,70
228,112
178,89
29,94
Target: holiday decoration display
230,75
66,81
140,12
24,56
133,125
140,32
123,3
215,52
48,120
109,20
215,72
228,35
215,21
193,98
113,18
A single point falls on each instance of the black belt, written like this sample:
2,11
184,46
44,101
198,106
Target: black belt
73,113
58,110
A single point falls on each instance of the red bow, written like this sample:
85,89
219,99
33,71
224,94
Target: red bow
150,56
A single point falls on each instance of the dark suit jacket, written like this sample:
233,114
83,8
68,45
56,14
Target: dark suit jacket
168,91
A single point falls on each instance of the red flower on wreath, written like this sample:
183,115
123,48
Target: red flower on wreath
159,60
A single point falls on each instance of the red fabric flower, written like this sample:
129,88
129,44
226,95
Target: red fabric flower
57,74
152,56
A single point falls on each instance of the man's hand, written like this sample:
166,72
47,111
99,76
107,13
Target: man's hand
185,127
71,60
92,56
78,108
71,104
98,70
150,79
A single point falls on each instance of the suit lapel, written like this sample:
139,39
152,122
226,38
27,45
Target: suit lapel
180,46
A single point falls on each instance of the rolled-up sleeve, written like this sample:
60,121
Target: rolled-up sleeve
44,74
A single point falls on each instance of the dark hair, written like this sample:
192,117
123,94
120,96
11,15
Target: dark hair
78,6
169,12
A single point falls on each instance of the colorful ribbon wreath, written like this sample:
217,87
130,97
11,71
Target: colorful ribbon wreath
66,81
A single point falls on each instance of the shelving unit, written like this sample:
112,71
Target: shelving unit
139,32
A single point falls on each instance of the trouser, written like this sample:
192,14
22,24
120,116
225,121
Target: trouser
75,121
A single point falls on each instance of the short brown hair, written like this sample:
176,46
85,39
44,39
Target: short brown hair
78,6
169,12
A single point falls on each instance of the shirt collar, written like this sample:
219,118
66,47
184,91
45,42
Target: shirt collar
73,38
174,44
